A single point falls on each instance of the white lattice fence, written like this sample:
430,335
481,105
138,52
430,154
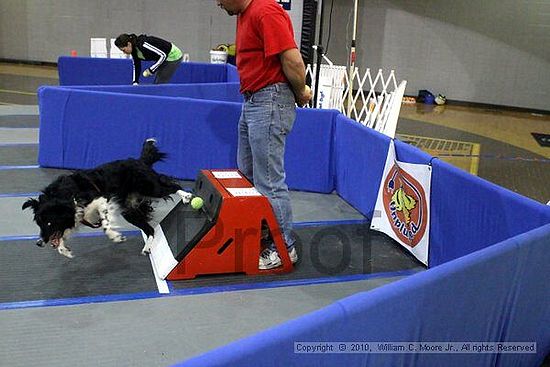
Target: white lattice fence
374,102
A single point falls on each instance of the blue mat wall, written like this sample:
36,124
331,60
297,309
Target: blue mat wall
473,213
101,71
493,295
228,92
80,128
467,213
232,74
84,135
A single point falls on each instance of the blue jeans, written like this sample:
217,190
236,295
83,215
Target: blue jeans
266,118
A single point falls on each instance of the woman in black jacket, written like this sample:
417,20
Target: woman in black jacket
166,55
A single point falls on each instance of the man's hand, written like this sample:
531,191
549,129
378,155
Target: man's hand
295,72
304,97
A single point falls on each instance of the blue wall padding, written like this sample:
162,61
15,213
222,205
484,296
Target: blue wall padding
480,297
359,159
75,133
410,154
308,157
102,71
232,74
93,71
228,92
469,213
198,134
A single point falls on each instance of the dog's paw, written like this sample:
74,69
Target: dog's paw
120,238
65,252
185,196
146,250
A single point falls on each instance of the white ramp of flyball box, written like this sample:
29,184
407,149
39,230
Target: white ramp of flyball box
161,256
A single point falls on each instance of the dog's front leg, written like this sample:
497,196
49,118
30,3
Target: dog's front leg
136,217
64,250
106,215
146,250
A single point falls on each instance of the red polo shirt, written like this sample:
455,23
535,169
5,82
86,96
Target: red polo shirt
264,30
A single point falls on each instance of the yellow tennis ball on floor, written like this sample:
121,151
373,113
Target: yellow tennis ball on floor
197,203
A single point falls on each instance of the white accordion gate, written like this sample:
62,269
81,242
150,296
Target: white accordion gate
374,102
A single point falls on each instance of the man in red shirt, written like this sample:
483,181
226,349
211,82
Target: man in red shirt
272,76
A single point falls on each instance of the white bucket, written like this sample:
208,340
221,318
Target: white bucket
98,47
218,57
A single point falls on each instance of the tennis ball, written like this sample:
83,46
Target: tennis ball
197,203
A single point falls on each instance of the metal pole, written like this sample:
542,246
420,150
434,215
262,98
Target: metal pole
352,57
319,54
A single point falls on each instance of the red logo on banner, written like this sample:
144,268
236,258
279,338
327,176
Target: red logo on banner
405,205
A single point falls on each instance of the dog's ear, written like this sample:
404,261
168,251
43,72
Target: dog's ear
32,203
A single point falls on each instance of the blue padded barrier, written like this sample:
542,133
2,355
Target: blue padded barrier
198,134
76,134
308,156
360,156
93,71
359,159
493,295
228,92
232,74
469,213
101,71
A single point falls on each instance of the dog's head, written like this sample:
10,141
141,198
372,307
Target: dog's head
53,216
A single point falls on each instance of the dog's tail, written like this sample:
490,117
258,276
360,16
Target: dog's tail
150,154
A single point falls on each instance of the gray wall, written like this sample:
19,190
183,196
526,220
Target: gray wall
43,30
490,51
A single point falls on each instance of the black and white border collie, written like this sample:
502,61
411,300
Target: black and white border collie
94,197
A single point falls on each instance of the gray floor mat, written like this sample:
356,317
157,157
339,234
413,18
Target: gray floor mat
19,110
27,180
100,267
328,251
19,155
156,332
15,121
314,207
22,135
